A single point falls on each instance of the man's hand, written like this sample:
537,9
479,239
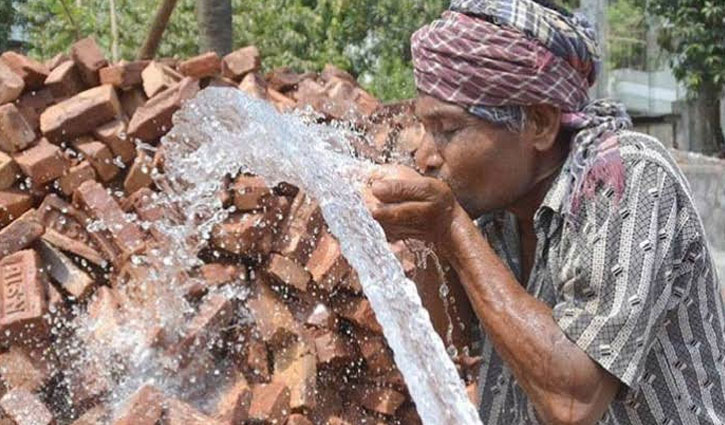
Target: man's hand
409,205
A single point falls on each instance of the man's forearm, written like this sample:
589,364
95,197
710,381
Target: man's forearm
551,369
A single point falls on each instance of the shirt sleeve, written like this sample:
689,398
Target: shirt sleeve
616,281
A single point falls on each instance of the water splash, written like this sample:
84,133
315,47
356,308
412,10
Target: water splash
231,131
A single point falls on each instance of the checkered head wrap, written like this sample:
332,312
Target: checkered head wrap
493,57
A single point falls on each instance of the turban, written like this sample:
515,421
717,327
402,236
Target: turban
494,56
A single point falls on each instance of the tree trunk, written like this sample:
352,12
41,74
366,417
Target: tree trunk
708,110
148,50
215,25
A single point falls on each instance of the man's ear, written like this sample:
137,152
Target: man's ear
542,124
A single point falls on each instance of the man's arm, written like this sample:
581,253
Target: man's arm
565,385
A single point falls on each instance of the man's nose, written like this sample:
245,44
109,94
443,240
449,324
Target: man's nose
427,158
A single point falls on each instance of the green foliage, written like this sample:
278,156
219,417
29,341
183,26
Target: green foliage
693,32
626,42
7,19
53,25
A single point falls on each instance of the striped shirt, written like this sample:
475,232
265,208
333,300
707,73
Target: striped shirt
633,285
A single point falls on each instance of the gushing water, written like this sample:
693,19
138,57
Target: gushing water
223,130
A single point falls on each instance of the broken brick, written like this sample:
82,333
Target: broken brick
233,404
257,361
214,314
132,99
19,370
249,191
180,413
43,162
382,400
153,119
204,65
126,235
31,71
214,275
270,403
298,419
332,348
113,134
94,416
144,407
100,157
158,77
61,269
88,383
295,366
321,317
377,355
274,321
330,72
21,233
326,264
56,61
288,272
124,75
13,204
283,79
25,408
65,227
80,114
254,85
8,171
75,176
11,85
15,132
23,296
32,104
89,59
280,101
244,234
64,81
139,175
301,230
239,63
359,311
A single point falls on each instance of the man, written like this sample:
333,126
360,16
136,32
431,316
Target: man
587,265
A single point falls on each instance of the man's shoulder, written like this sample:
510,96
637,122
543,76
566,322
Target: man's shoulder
635,148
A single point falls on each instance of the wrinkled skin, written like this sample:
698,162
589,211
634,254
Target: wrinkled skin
470,167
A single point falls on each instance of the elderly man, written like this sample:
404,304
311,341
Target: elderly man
576,240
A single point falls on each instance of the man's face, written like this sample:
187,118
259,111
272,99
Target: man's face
487,166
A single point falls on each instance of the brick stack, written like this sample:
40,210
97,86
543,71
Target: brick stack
309,351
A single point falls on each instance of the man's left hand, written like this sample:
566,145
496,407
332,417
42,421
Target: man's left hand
409,205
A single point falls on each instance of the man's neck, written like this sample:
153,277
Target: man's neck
525,207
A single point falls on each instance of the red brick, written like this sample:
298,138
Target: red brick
239,63
21,233
280,101
153,119
25,408
132,99
100,157
43,162
180,413
114,135
104,314
298,419
295,366
31,71
288,272
8,171
330,72
74,176
249,191
61,269
270,403
234,401
13,204
257,361
215,313
64,81
89,58
32,104
15,132
332,348
124,75
377,355
327,264
11,85
254,85
158,77
94,416
215,275
359,311
382,400
139,175
301,229
19,370
23,296
204,65
88,383
144,407
94,198
245,234
56,61
80,114
407,415
274,321
283,79
320,316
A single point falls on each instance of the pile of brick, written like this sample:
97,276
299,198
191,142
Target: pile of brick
312,353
